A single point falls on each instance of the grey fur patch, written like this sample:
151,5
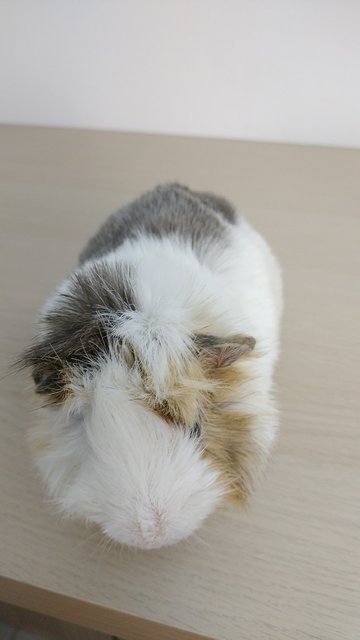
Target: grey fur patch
201,218
79,326
218,204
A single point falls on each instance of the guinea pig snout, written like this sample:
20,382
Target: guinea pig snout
152,528
149,527
156,521
164,515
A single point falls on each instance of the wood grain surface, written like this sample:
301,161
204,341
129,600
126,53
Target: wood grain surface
289,568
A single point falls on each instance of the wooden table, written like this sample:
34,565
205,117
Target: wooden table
288,569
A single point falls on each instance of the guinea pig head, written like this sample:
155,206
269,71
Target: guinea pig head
144,434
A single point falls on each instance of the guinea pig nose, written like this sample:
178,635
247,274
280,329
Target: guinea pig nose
152,528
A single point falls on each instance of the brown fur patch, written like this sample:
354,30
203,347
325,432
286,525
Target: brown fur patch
228,433
204,394
187,394
226,381
163,410
229,444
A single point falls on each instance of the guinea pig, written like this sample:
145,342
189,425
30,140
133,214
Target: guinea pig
154,359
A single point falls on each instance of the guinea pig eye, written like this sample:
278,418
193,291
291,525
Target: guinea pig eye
195,431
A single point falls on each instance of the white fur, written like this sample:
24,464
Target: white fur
122,467
111,460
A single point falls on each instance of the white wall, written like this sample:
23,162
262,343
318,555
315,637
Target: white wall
283,70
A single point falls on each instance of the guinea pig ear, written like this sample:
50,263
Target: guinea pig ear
47,372
46,381
223,352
